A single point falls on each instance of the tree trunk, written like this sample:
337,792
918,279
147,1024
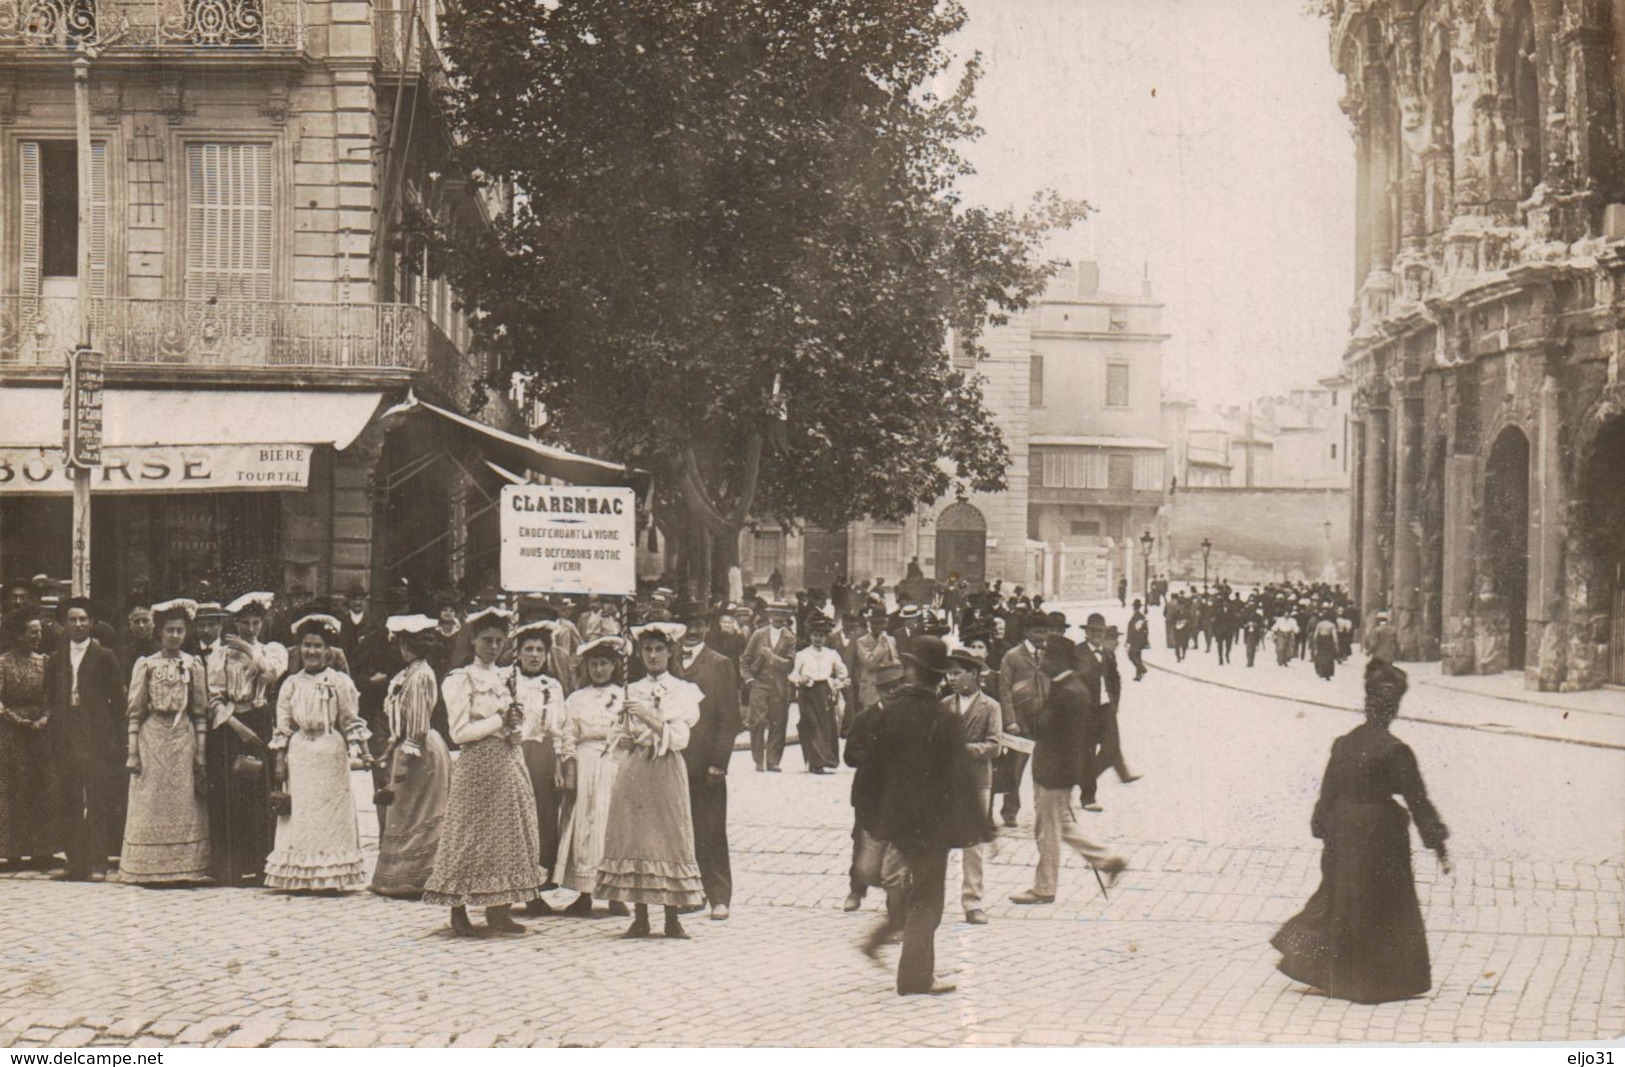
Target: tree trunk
724,554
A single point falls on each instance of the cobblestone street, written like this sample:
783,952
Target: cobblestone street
1525,935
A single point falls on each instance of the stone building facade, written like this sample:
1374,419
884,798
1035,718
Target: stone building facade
253,162
1489,411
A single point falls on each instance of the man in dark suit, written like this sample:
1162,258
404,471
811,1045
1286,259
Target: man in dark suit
1139,639
917,792
1021,694
1062,761
1107,743
84,686
710,747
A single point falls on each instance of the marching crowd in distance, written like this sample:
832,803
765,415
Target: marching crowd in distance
211,742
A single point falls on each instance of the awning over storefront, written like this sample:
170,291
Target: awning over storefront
180,440
137,418
509,453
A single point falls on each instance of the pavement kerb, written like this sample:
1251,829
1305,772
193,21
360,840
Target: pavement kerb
1504,732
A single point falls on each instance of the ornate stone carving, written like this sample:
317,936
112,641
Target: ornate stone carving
172,97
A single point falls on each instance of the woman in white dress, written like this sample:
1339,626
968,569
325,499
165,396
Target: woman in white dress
318,734
649,842
590,714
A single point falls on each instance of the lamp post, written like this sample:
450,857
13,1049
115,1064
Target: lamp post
1207,548
1146,541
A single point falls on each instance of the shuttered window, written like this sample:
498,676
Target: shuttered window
48,222
228,221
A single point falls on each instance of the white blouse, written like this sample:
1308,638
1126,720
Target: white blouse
590,714
678,703
477,698
543,700
316,704
818,665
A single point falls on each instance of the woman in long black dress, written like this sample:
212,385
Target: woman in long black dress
1360,937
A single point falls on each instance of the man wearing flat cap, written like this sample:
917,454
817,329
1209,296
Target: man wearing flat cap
916,791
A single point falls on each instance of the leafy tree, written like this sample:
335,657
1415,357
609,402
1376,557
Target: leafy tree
739,248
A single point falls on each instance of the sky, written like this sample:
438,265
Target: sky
1207,135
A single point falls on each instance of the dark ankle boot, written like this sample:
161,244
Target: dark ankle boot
460,924
674,926
498,921
581,907
640,924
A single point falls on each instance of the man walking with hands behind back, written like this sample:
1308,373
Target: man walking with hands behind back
916,791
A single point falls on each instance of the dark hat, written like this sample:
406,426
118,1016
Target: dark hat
977,631
1057,619
1095,619
965,659
357,591
1112,633
929,652
1063,647
820,624
691,611
1384,685
1136,604
1036,620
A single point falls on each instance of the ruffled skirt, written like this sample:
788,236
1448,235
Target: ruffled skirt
166,833
488,844
649,842
318,846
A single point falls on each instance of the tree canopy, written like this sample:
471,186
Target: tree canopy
739,246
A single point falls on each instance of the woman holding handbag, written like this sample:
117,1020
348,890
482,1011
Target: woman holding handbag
166,833
318,733
419,766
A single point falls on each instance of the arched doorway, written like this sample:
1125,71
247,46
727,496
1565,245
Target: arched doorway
1506,537
962,544
1603,490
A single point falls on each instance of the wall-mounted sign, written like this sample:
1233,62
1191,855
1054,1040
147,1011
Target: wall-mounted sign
82,407
569,539
163,469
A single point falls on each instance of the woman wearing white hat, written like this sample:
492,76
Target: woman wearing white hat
489,844
418,762
649,843
589,761
166,832
319,732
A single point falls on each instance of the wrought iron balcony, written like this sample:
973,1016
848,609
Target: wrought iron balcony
242,335
407,48
152,25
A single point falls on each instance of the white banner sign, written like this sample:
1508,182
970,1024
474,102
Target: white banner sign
162,469
569,539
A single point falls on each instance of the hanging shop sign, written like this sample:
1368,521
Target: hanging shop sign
162,469
569,539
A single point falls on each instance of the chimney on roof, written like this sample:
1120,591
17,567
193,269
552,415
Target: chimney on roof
1088,279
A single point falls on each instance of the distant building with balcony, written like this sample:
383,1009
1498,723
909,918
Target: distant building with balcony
260,310
1074,384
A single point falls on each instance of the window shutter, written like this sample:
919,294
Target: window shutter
29,232
98,230
228,222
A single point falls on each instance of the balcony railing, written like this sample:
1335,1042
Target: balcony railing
407,48
153,25
38,332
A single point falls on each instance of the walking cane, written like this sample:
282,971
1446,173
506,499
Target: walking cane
1100,881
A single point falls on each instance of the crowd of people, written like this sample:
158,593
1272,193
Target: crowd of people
1317,622
214,742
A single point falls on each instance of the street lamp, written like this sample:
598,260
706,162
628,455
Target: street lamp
1146,540
1207,548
